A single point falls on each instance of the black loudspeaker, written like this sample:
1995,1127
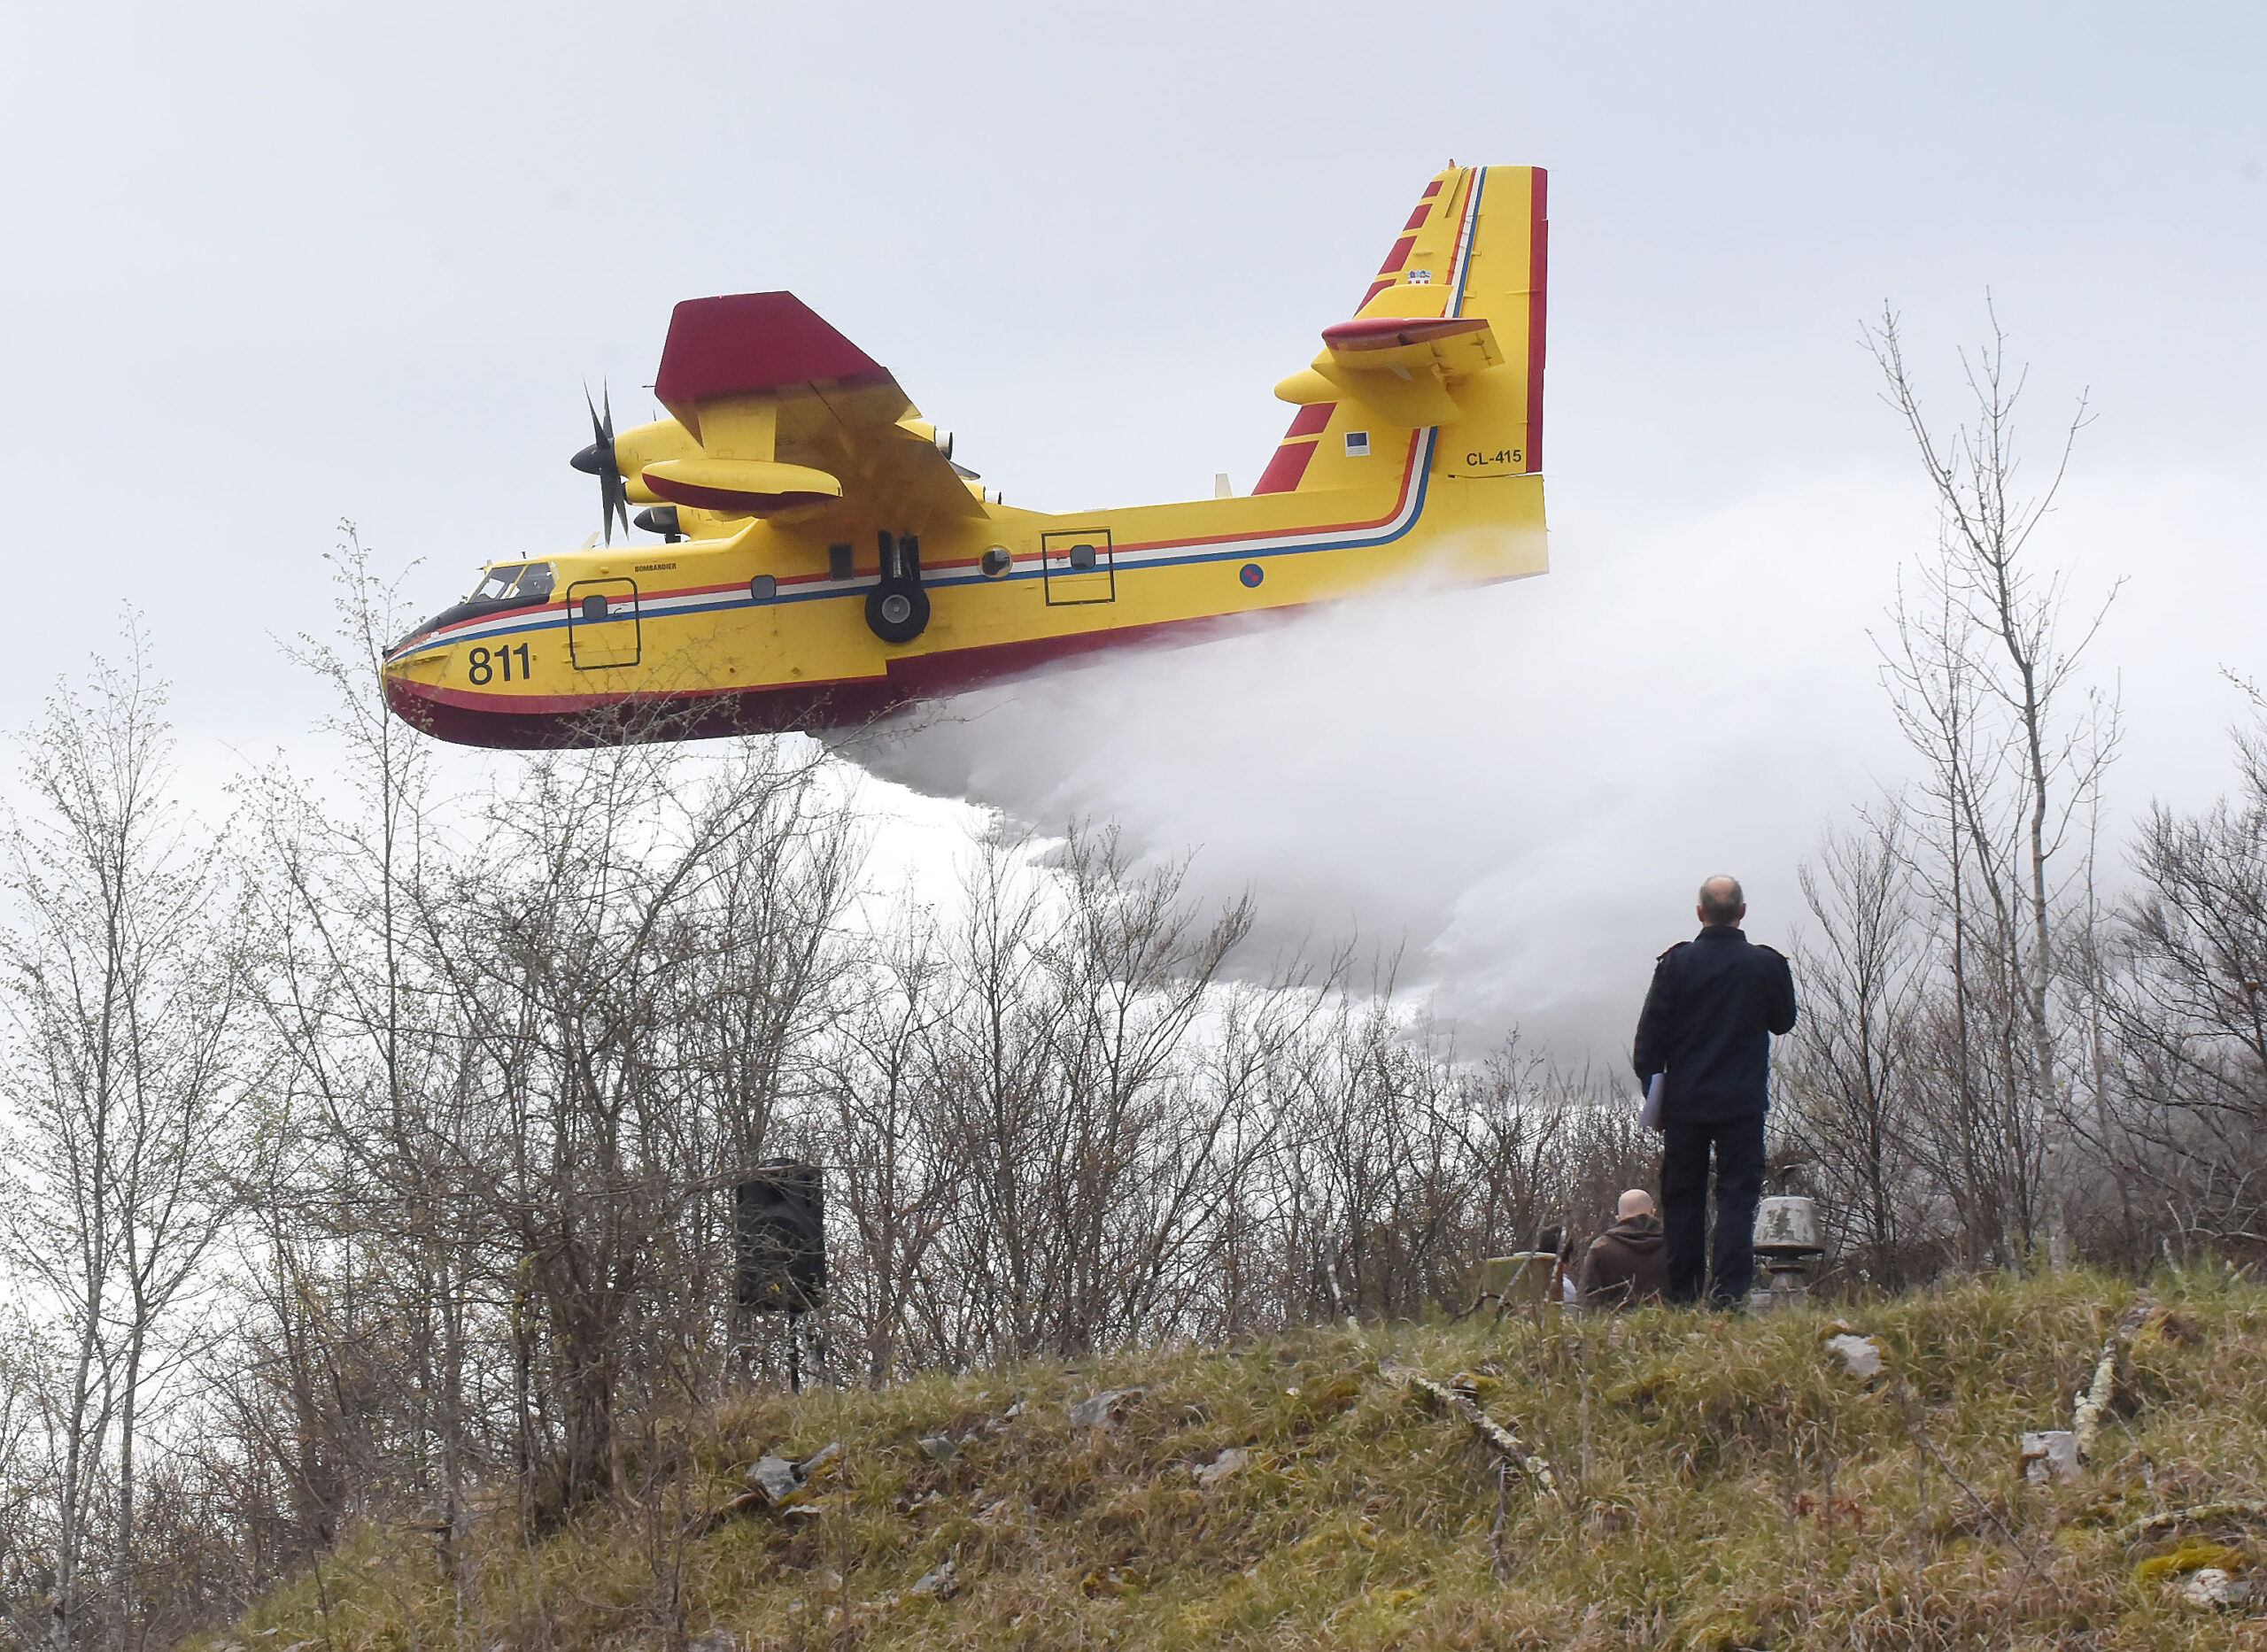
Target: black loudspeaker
780,1225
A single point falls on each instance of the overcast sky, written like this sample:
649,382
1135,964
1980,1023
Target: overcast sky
266,268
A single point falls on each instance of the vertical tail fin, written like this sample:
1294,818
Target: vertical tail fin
1504,281
1474,247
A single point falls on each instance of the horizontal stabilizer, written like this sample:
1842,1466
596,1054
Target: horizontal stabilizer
1460,345
1408,368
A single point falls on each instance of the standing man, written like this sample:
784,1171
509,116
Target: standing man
1708,1024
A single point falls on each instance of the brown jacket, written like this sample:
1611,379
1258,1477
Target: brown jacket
1625,1264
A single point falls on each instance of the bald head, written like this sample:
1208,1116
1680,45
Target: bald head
1636,1202
1722,902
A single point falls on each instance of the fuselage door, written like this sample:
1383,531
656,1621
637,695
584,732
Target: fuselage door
1079,566
602,623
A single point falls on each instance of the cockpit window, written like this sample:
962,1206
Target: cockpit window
496,583
521,582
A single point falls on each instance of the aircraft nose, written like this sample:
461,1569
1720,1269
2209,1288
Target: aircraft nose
590,462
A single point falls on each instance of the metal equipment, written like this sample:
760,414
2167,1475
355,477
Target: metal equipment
779,1230
1787,1241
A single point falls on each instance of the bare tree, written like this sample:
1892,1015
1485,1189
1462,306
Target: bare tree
640,956
124,996
1986,682
1060,1088
363,1258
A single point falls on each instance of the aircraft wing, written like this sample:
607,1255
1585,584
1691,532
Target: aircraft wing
790,413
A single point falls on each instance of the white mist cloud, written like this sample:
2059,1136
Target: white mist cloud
1519,785
1522,786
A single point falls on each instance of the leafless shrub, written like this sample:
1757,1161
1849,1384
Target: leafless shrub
1848,1081
2183,1130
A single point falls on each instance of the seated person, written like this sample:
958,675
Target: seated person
1560,1245
1625,1263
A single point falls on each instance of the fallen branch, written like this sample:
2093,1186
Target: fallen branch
702,1524
2199,1514
1492,1434
2095,1401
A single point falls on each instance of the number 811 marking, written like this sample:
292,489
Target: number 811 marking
485,663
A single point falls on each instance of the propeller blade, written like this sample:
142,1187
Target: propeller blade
598,460
614,492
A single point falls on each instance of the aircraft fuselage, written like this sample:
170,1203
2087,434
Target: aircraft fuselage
768,631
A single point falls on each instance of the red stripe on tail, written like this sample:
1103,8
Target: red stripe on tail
1537,278
1284,470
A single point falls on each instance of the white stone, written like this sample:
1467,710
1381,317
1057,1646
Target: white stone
938,1583
1104,1409
1859,1356
2049,1455
2209,1585
776,1479
1211,1474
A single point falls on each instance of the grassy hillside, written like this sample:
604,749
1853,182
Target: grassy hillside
1721,1483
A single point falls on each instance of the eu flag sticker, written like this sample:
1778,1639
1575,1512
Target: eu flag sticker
1251,574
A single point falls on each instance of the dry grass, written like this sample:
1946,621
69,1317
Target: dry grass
1725,1485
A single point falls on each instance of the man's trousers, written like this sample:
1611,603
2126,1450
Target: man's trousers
1685,1145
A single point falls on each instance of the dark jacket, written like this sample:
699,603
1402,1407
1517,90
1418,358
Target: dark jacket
1625,1264
1708,1024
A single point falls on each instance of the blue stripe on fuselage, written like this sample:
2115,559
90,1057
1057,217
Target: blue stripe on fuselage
1244,549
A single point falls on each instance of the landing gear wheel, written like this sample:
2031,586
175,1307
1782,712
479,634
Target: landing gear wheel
897,613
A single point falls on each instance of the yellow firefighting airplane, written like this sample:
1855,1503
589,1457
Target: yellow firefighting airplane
825,561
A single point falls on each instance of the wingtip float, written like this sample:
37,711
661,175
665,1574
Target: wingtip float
824,561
